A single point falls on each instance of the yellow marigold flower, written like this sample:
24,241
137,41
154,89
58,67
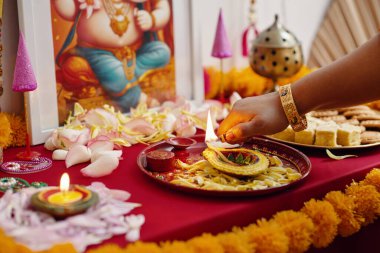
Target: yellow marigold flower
367,200
107,248
298,227
205,243
373,178
267,237
18,127
176,247
233,243
5,130
325,221
344,206
69,248
141,247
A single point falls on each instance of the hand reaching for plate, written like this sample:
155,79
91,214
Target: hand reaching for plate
261,115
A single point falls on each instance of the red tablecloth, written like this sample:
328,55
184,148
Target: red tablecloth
176,215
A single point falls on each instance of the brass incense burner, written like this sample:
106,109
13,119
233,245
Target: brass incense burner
276,53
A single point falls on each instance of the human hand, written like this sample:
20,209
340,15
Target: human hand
254,116
144,20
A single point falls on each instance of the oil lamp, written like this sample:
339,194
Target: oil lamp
65,200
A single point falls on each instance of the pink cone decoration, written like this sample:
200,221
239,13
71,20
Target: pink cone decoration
222,46
23,78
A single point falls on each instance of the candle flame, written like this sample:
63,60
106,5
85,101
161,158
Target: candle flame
65,182
210,134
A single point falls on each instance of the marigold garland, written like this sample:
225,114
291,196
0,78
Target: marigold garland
18,127
12,129
325,221
318,222
5,130
345,207
367,200
298,227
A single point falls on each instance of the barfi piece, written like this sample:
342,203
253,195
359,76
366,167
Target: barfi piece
348,135
305,136
326,135
285,135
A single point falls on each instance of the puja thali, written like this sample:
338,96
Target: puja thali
191,172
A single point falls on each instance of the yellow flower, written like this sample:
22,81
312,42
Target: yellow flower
325,221
367,200
5,131
373,178
66,248
176,247
298,227
141,247
344,206
18,127
108,248
233,243
205,243
267,237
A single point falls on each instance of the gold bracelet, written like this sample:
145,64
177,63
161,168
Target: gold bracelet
296,121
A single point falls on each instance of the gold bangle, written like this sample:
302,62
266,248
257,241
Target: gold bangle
296,121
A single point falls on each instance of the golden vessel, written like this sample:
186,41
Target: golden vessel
276,53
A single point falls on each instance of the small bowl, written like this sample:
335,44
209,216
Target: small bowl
181,142
160,160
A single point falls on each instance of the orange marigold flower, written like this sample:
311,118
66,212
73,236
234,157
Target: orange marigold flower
367,200
141,247
267,237
325,221
298,227
205,243
111,248
176,247
233,243
69,248
18,127
5,130
344,206
373,178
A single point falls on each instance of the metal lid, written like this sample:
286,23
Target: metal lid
276,36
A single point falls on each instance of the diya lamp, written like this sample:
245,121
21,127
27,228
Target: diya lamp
65,200
276,53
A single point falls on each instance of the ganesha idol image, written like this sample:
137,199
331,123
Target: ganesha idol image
116,44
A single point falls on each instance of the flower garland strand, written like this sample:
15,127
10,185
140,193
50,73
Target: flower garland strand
317,224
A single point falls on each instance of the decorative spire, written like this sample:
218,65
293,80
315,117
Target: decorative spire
222,47
23,77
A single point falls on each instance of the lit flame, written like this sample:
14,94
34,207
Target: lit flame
210,134
65,183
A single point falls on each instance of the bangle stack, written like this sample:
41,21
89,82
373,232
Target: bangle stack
296,121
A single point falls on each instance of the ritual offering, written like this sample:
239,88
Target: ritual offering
65,201
211,167
343,128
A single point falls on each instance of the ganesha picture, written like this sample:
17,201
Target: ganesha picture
113,51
